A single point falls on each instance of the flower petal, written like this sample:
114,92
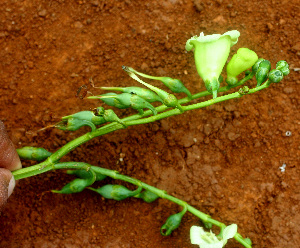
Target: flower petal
229,232
195,234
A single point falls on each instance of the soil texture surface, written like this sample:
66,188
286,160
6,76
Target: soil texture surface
224,159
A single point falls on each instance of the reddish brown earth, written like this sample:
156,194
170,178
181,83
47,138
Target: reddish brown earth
224,160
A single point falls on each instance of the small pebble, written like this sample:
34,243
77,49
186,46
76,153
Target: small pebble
288,133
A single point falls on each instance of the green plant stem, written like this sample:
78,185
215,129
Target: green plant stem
115,175
56,156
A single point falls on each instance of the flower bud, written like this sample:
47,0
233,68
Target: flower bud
256,65
147,196
241,61
262,72
283,66
116,192
275,76
84,174
33,153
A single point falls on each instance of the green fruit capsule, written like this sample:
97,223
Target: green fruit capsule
87,116
147,196
73,124
76,186
275,76
175,85
148,95
172,222
83,174
262,72
116,192
114,102
33,153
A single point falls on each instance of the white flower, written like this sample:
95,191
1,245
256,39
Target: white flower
211,53
209,239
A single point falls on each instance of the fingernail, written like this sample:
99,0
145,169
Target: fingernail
11,185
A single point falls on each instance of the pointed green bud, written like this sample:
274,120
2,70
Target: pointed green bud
241,61
257,63
283,66
172,223
262,72
211,53
77,185
33,153
275,76
148,95
84,174
147,196
116,192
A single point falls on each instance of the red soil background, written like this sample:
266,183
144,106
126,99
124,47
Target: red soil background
224,160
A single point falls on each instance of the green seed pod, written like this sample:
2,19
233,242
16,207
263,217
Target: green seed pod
256,65
147,196
171,224
114,102
171,101
148,95
139,103
76,186
116,192
175,85
262,72
86,115
109,115
275,76
83,174
73,124
33,153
